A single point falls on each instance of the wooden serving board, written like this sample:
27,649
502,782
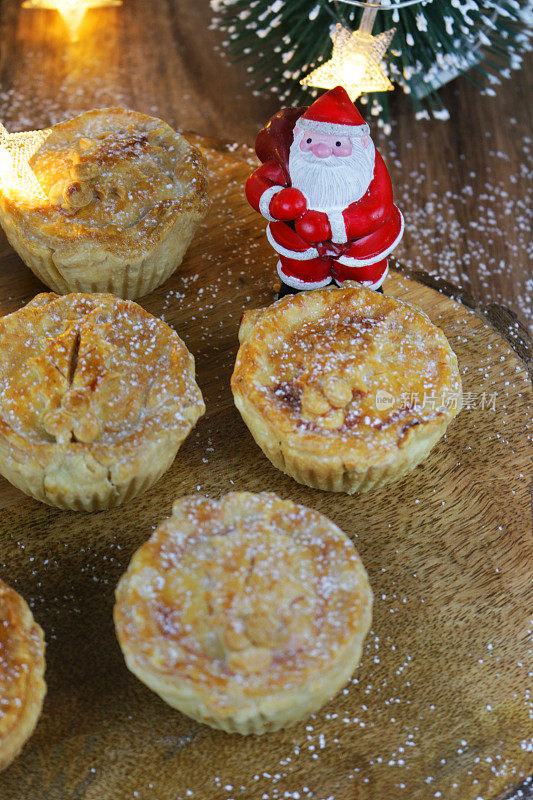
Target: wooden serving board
438,707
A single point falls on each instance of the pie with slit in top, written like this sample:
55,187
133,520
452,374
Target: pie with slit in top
345,389
22,686
96,397
121,195
246,613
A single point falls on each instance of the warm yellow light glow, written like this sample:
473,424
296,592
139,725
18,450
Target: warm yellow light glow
17,178
354,67
356,63
72,11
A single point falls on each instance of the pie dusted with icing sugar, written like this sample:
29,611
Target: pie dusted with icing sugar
122,195
246,613
345,389
96,397
22,665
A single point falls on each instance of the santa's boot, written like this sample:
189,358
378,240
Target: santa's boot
301,275
371,276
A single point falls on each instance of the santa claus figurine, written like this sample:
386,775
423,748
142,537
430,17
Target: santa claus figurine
327,195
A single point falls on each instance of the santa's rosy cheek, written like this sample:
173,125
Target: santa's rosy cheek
344,149
306,145
365,141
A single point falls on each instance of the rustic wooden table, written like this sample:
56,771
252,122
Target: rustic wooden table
462,184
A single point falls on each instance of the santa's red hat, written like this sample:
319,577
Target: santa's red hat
334,113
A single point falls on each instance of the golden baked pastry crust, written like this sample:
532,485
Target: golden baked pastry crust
246,613
22,686
123,195
345,389
96,396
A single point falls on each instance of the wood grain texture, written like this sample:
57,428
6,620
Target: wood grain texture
439,703
461,184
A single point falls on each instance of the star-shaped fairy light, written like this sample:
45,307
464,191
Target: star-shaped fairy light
356,62
72,11
17,178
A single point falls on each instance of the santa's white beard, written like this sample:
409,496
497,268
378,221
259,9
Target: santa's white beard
333,182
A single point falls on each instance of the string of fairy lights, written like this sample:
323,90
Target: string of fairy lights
357,59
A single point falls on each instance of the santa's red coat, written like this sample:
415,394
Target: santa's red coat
352,243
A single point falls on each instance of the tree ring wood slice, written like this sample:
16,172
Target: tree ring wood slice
438,707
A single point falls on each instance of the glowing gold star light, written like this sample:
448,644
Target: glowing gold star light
17,178
72,11
356,61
